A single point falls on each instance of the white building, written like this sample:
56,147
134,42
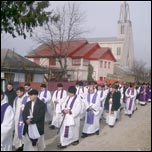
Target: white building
122,44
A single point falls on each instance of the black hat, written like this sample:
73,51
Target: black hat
72,89
59,85
115,86
43,85
80,83
33,92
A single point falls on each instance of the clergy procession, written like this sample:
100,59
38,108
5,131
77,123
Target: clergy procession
25,111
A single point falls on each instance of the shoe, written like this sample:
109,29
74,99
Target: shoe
61,147
111,126
97,132
129,115
49,122
20,148
84,135
75,142
52,127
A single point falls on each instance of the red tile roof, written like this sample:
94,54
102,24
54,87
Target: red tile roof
46,51
77,49
101,53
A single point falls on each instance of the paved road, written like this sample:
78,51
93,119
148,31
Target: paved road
129,134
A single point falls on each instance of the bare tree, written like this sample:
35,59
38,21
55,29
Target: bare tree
139,71
59,35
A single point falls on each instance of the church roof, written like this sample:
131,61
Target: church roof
104,39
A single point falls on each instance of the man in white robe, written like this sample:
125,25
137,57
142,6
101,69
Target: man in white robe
19,104
102,94
58,97
70,121
82,92
92,104
130,94
28,88
45,96
7,124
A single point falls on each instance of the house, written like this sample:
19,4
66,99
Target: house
16,68
79,55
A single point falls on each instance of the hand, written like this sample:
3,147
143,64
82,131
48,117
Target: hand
66,111
56,102
28,121
110,101
112,112
89,109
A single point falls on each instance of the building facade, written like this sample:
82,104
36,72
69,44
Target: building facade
78,58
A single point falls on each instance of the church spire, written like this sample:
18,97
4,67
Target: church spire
125,33
124,12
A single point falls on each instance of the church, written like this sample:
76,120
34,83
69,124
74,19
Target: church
121,45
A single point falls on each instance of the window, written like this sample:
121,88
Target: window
85,62
52,61
9,76
118,51
122,29
101,64
105,65
76,62
108,65
28,77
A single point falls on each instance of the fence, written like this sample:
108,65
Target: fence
52,86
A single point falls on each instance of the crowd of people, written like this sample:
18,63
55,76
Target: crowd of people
25,110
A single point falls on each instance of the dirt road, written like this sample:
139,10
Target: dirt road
129,134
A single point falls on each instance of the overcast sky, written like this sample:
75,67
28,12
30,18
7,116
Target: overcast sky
101,20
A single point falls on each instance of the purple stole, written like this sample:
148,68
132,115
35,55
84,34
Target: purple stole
60,95
143,97
57,96
131,100
66,130
101,94
45,93
3,109
90,114
20,121
82,90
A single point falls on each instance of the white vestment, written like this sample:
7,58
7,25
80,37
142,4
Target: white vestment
82,92
17,106
7,127
73,134
102,95
92,128
57,107
40,146
130,100
47,100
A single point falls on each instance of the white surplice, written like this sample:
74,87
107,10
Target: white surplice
7,127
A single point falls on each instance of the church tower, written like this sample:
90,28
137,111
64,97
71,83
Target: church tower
125,32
